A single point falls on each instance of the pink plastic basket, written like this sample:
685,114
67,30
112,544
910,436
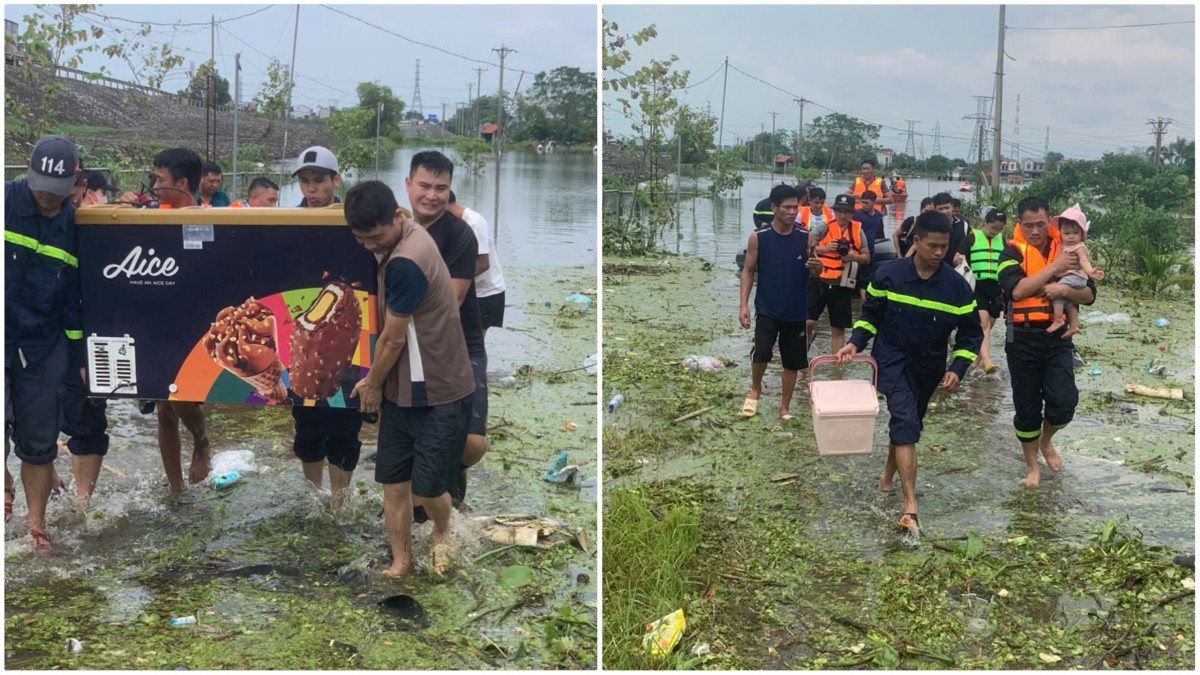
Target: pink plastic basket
844,411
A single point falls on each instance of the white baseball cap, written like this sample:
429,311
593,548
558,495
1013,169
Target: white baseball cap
317,157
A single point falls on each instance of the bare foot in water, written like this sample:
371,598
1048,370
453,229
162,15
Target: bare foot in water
201,464
1032,478
398,570
1053,459
885,484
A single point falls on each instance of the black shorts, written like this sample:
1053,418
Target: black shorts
987,297
836,298
491,310
423,445
907,402
479,400
793,345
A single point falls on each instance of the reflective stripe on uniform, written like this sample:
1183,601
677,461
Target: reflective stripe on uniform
866,326
1028,435
968,355
893,296
1006,263
73,334
33,245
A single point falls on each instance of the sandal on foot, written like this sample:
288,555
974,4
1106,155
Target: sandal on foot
909,522
41,541
750,407
990,368
786,416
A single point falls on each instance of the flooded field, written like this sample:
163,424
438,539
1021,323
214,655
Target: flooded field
273,581
784,559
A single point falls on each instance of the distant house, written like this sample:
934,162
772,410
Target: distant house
324,111
884,158
1033,166
783,161
300,112
488,131
1009,165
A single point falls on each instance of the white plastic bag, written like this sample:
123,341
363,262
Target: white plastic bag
705,364
241,461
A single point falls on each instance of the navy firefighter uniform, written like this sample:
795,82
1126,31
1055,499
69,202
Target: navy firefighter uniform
43,321
911,320
1039,363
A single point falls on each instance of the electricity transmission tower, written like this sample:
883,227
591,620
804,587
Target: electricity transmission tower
982,119
416,99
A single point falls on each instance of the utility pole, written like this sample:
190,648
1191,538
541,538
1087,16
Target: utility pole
287,113
999,106
237,103
476,122
443,117
721,133
800,132
772,147
470,101
1017,133
1046,154
378,115
210,112
497,139
1160,128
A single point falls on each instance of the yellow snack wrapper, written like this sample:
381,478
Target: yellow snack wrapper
662,635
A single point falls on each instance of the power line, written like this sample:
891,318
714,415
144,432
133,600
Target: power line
408,39
705,79
206,24
1129,25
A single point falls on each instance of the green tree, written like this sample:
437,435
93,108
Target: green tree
1053,160
560,106
149,62
939,164
272,98
352,151
839,142
197,89
370,95
696,131
51,40
485,111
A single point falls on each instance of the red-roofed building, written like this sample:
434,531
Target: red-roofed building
488,131
783,161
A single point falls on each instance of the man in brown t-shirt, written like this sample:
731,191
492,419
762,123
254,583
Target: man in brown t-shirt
420,379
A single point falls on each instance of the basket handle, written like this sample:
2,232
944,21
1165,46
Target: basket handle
859,358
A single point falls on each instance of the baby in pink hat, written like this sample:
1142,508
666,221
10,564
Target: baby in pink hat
1073,226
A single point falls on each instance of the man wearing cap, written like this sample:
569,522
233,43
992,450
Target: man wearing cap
842,245
95,189
1040,364
912,307
43,335
982,248
325,436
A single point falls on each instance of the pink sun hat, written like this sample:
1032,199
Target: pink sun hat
1074,213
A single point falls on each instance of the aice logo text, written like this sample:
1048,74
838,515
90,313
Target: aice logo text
135,265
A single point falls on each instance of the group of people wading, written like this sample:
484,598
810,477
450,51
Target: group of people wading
809,257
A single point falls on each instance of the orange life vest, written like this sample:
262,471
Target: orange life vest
899,186
832,262
876,186
1034,309
805,215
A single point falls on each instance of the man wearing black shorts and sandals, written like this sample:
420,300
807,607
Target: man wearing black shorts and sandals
841,245
779,254
420,379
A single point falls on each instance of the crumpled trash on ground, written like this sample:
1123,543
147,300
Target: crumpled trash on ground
1101,317
662,635
705,364
560,471
232,461
590,362
580,301
531,531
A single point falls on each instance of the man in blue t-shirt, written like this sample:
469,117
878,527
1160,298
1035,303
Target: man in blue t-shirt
872,231
779,254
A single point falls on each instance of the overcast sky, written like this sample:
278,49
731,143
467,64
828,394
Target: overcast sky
1094,88
336,52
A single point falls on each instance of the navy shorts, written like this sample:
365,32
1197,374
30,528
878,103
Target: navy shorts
491,310
331,434
479,400
907,403
793,345
32,406
423,445
84,418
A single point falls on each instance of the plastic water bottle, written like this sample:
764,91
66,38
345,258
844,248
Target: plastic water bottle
183,621
222,482
615,402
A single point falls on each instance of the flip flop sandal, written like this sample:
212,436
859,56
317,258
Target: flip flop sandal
41,541
750,407
787,416
990,368
909,522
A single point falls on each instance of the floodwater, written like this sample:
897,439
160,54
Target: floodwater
547,202
276,582
717,229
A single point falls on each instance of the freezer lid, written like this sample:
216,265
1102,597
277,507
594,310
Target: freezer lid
837,398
